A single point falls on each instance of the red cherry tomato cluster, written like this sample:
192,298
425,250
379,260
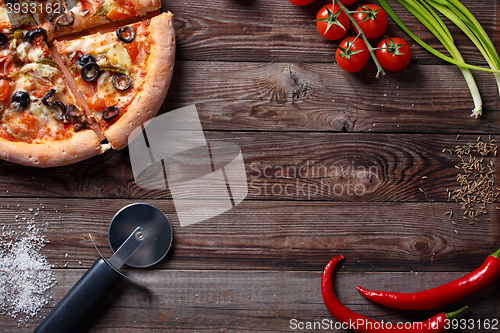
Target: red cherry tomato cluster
352,54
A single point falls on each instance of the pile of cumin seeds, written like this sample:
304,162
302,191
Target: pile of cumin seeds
476,179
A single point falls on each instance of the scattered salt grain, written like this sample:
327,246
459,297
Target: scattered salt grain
25,274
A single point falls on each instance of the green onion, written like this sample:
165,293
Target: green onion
462,18
436,26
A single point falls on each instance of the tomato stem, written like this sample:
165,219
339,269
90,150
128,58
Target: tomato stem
380,70
347,52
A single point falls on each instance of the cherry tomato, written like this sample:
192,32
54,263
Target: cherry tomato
332,23
352,54
393,53
374,23
301,2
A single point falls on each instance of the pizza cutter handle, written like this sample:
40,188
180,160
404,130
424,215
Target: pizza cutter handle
81,300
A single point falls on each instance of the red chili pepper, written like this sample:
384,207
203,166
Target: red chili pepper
442,295
361,324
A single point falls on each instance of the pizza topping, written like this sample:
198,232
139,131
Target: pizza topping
121,81
4,89
112,69
33,35
20,52
74,115
64,20
3,39
40,70
48,97
110,112
47,61
59,105
90,72
125,34
85,59
35,55
96,102
20,100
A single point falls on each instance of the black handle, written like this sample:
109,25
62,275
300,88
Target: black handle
81,300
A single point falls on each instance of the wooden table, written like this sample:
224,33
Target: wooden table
262,78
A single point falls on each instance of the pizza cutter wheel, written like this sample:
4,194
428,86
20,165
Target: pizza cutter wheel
140,235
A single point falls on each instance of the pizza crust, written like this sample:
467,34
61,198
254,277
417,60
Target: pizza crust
145,5
80,146
160,68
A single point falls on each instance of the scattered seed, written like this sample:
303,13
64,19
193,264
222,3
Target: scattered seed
476,178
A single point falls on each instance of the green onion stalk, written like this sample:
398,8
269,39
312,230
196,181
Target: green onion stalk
451,8
463,19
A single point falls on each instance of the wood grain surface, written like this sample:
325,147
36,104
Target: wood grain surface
336,163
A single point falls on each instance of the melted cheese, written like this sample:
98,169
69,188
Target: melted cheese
118,56
35,55
22,50
40,70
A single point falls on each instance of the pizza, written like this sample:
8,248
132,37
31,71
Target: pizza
68,93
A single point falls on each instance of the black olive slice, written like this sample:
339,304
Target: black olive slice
125,34
90,72
3,39
10,1
47,97
121,81
85,59
32,35
60,105
20,99
110,112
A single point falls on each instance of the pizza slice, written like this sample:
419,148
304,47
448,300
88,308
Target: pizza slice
16,15
83,14
44,11
123,75
41,122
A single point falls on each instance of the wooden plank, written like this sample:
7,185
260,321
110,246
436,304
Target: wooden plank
322,97
282,235
250,301
279,166
277,31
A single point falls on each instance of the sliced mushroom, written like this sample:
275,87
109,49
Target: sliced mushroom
74,115
64,21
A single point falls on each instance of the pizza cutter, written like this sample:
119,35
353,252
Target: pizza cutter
140,235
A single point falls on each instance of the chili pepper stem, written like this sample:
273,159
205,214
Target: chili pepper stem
380,70
453,314
496,254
